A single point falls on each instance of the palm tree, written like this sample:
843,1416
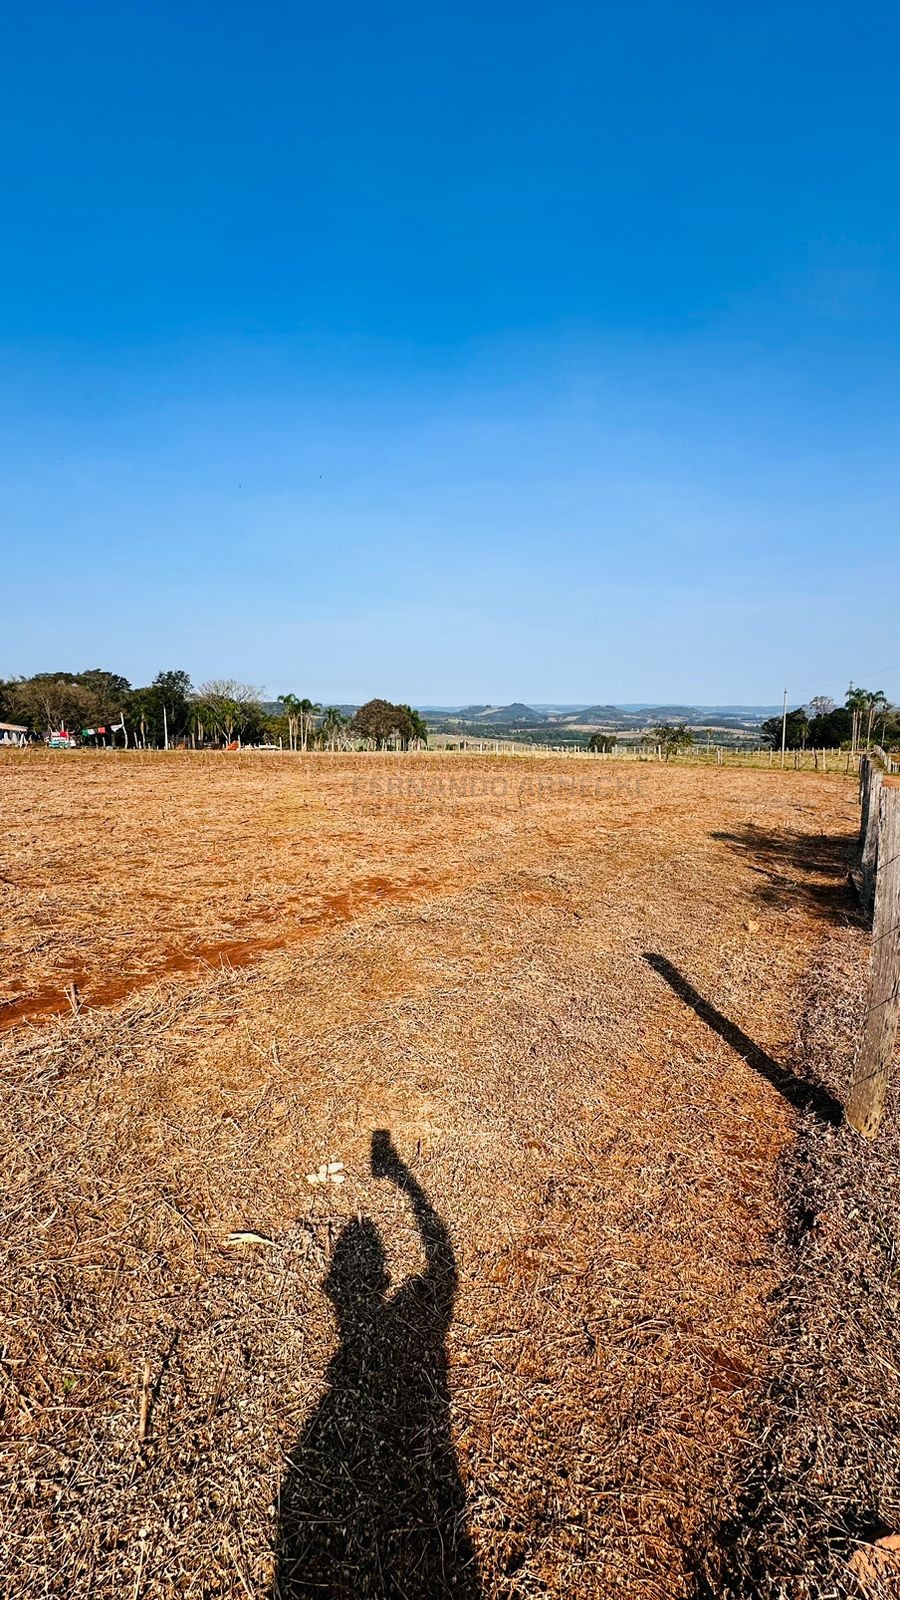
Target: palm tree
291,711
332,726
308,710
856,703
868,702
878,701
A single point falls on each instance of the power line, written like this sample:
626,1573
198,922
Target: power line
867,672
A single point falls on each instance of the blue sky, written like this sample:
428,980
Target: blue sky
450,353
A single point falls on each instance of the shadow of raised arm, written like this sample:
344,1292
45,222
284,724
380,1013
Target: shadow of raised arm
804,1093
373,1505
440,1271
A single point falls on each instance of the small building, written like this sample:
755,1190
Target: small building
13,733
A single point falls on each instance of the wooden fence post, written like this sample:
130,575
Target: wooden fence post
870,849
868,1091
865,773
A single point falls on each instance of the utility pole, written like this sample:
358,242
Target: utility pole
783,727
166,730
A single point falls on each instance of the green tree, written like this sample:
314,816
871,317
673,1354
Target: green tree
309,710
332,726
57,700
418,726
301,717
830,728
865,705
599,742
163,709
878,704
672,736
291,706
227,709
379,721
72,700
796,730
110,691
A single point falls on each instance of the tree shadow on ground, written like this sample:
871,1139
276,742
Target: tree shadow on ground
791,864
372,1504
802,1093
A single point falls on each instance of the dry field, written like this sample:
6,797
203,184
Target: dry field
568,994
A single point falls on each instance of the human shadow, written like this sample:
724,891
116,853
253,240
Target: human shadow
803,1093
791,864
372,1504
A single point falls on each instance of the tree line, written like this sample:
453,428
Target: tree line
866,717
99,707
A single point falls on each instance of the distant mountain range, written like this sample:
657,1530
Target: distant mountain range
544,719
725,711
508,715
518,715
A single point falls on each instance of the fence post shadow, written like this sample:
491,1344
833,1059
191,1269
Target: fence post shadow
804,1094
372,1506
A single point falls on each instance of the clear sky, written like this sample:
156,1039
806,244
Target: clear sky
534,351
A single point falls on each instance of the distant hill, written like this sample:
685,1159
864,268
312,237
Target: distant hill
564,720
751,712
647,716
505,716
517,712
607,715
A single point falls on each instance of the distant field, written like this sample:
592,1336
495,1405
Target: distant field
567,990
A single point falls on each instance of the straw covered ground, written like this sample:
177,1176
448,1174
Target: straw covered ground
531,1029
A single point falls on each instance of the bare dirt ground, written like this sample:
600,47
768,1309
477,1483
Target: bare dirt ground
570,996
